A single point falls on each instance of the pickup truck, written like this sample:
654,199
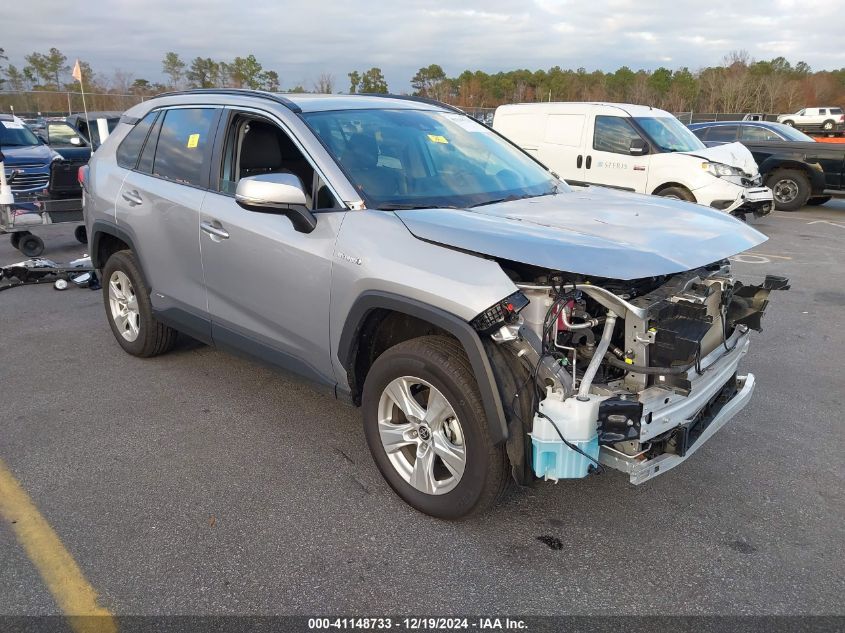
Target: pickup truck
798,169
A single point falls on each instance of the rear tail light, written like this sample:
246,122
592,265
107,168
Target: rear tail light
82,174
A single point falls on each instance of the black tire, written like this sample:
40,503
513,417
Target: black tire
81,234
15,238
827,126
153,337
678,193
790,189
440,361
819,200
31,245
789,122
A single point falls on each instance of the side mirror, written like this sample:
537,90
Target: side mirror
637,147
75,140
276,193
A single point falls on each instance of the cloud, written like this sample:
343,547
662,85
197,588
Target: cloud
300,40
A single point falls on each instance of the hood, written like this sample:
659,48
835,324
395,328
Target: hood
594,231
27,155
733,154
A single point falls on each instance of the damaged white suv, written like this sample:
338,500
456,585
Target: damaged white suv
492,323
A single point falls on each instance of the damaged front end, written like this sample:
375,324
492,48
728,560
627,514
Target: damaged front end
632,375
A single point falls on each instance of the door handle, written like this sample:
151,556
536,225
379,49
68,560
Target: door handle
132,197
589,161
579,161
214,229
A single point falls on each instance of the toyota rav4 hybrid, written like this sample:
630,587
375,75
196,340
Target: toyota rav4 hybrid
492,323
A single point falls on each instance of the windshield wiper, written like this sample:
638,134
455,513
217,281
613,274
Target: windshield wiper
390,206
515,197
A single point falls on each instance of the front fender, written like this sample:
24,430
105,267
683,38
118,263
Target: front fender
457,327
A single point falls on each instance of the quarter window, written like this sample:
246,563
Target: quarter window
130,147
184,145
614,134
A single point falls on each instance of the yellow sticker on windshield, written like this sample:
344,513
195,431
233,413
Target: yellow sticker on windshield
434,138
193,141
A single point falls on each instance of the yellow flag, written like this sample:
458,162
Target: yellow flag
77,72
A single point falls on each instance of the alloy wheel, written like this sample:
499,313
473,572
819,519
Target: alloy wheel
785,190
124,306
421,435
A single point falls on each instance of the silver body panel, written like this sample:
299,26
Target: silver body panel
621,236
257,278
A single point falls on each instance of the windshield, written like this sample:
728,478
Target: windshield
14,134
669,134
791,134
421,159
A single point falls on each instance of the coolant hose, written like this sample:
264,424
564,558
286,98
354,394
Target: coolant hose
598,357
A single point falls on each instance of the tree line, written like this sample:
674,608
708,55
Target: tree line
738,84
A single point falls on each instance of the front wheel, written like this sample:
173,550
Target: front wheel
129,311
425,425
789,123
677,193
790,189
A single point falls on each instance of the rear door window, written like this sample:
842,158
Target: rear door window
722,134
755,133
184,145
130,147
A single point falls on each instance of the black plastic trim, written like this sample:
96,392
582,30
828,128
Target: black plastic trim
425,100
186,322
271,96
104,227
229,339
457,327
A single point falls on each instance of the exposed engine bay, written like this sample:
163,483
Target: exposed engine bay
632,375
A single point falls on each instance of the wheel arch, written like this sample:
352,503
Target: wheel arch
667,185
814,176
372,309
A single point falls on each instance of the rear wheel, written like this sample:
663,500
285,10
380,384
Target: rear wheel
129,311
819,200
790,189
827,126
677,193
425,425
80,234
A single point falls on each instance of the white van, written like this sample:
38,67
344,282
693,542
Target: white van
636,148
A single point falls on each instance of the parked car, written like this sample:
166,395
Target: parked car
798,169
828,120
636,148
492,322
70,136
27,159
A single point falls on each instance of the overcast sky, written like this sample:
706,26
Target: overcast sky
302,39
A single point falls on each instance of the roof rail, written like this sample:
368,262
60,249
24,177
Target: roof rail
434,102
272,96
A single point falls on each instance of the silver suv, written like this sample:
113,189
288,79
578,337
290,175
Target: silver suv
492,323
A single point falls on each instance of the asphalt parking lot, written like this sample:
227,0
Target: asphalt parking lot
200,483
